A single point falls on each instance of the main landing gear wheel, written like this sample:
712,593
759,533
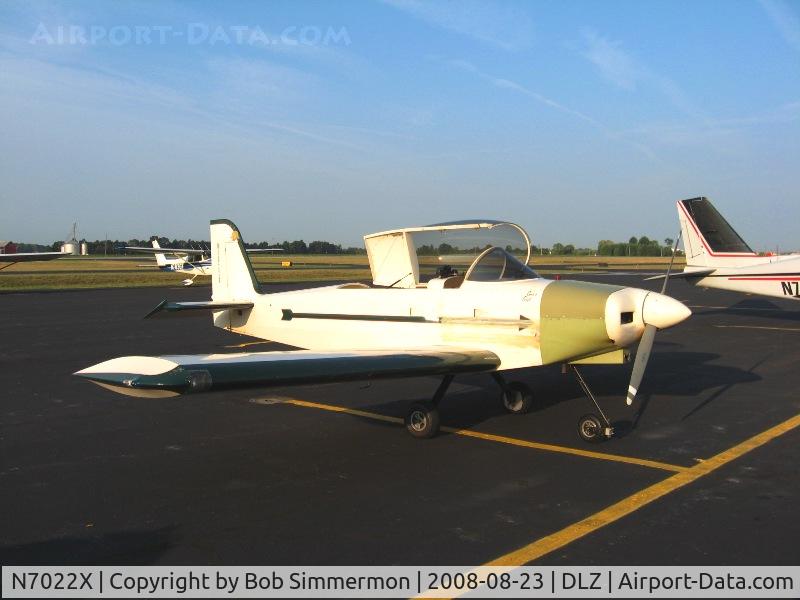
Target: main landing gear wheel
592,430
517,398
422,420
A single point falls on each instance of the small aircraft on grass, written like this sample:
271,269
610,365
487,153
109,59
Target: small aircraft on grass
190,261
419,317
717,256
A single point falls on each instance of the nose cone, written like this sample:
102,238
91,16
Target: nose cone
663,311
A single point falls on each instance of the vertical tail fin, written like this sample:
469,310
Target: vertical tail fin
696,255
161,259
232,275
708,238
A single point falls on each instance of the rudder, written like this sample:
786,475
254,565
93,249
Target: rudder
232,275
696,255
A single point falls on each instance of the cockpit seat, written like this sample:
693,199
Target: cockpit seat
453,282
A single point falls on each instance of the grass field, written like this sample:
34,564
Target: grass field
94,272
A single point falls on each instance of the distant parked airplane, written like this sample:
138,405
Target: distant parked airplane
190,261
182,259
718,257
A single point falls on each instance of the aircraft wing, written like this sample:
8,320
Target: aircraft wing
163,376
29,256
175,251
684,274
259,250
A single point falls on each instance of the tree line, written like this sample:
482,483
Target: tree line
641,246
117,247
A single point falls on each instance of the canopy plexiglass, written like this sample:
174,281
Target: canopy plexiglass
409,257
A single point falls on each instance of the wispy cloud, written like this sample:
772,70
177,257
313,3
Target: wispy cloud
517,87
252,83
784,19
723,134
623,69
258,81
497,24
727,135
611,60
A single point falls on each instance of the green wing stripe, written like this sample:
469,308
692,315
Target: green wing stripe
197,373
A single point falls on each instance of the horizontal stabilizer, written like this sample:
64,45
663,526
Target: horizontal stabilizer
167,308
163,376
684,274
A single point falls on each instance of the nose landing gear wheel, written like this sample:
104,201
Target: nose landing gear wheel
592,430
422,420
517,398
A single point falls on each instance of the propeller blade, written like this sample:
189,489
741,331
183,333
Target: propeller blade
671,262
640,364
667,313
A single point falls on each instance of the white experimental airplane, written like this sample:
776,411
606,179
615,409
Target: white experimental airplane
187,260
717,256
497,315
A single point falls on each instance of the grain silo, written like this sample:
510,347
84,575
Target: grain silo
72,246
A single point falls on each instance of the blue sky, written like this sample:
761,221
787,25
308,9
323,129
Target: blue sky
328,120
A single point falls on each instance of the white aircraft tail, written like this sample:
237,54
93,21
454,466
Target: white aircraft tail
161,258
232,275
708,239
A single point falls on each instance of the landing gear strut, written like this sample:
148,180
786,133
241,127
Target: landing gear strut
591,427
516,396
422,419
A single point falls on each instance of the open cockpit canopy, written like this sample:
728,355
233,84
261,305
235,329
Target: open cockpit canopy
480,250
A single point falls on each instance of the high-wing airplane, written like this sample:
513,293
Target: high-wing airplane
190,261
13,258
496,315
717,256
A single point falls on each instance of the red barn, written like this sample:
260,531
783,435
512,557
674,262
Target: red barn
7,247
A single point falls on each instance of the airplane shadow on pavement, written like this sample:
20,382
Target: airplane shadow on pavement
669,374
783,310
118,548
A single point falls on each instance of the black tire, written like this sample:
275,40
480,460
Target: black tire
517,398
591,429
422,420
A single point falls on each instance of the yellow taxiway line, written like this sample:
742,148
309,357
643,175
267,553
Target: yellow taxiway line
643,497
498,438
